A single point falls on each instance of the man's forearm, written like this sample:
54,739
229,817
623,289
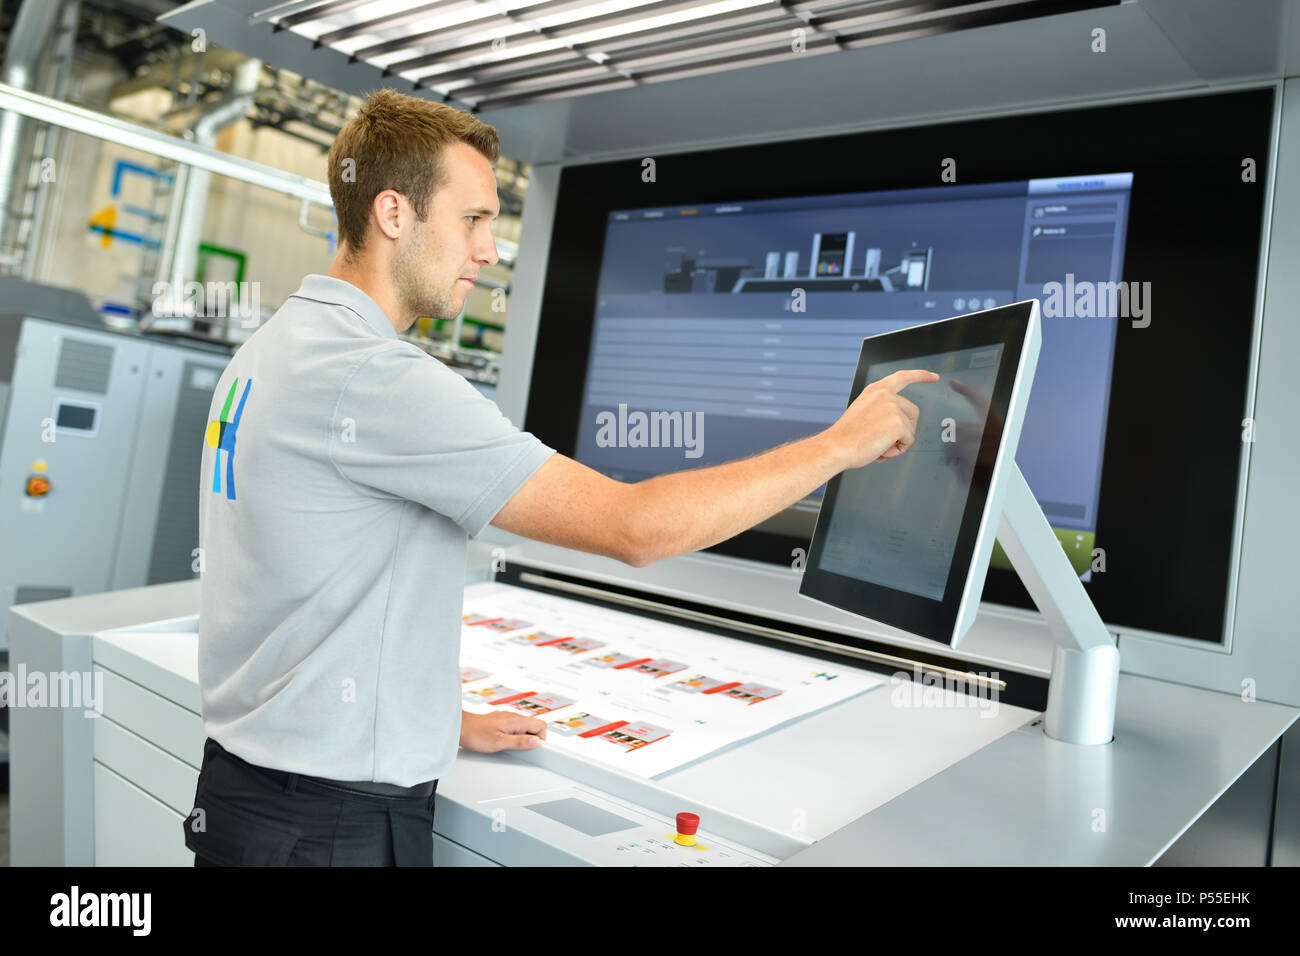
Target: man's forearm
689,510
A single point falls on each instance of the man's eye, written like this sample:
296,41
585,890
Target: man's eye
471,219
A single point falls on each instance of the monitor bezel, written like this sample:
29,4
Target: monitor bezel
937,620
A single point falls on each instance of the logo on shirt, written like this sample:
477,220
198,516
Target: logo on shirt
221,436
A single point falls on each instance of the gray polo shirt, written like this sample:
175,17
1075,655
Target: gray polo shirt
343,471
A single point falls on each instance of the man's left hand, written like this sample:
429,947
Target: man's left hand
500,730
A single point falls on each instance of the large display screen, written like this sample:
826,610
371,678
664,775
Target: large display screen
716,310
690,319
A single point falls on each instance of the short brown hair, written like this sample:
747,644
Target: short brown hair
396,142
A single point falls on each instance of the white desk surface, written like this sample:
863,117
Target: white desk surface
1028,800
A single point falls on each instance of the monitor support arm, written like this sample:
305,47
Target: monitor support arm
1085,667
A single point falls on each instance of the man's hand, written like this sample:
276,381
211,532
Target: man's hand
880,423
500,730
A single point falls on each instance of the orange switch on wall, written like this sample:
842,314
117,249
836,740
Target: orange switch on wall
38,483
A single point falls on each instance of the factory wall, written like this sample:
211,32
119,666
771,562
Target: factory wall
101,237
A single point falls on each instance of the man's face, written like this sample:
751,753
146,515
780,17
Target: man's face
437,262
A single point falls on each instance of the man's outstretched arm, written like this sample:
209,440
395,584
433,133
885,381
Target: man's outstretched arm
568,504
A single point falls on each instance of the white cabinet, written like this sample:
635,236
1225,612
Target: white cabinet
147,746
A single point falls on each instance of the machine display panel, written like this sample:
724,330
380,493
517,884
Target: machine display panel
717,312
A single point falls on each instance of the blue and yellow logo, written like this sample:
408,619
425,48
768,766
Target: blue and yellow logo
221,436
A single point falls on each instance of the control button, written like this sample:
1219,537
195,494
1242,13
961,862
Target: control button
687,825
38,482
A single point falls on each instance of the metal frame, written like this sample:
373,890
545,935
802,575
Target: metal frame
575,47
79,120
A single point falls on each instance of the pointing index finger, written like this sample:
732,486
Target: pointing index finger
912,376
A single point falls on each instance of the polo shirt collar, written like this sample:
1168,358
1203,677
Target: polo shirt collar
338,292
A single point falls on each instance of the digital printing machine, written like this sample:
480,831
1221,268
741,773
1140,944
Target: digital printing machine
1204,767
1188,778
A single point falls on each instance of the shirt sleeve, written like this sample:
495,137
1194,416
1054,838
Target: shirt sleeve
406,426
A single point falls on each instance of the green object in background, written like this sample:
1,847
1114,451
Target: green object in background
434,327
1077,546
208,251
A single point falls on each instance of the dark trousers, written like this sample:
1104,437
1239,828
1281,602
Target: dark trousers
246,815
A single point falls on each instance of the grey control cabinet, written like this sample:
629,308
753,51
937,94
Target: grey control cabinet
115,423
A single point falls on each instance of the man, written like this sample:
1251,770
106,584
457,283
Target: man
343,473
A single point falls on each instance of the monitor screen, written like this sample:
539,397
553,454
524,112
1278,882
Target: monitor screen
897,526
691,326
900,541
76,417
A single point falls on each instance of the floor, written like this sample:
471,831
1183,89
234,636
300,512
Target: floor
4,829
4,797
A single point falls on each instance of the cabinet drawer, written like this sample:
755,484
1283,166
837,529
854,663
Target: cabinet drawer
154,771
134,829
165,725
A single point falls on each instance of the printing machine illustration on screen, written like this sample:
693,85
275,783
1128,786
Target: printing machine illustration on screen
832,254
831,269
907,541
700,273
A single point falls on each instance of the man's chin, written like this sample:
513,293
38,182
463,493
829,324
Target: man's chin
438,312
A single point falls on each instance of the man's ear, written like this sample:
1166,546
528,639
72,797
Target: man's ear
389,212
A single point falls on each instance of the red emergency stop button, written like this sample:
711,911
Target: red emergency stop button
38,486
687,825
